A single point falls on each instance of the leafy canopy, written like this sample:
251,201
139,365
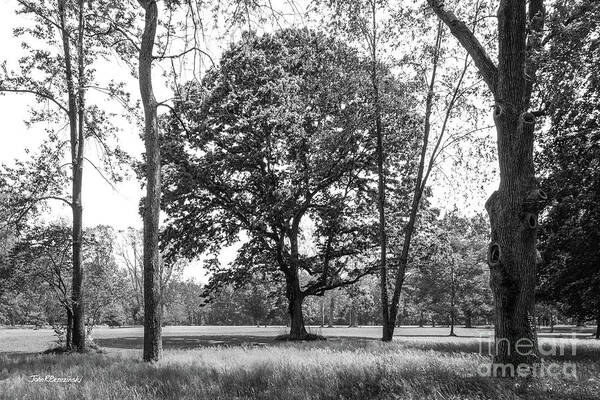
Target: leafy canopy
276,146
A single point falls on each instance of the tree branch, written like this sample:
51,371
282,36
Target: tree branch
37,93
467,39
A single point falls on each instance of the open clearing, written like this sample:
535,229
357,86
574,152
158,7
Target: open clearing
245,363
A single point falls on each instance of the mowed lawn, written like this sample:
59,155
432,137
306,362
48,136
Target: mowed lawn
245,363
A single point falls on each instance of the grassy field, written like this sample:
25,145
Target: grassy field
244,363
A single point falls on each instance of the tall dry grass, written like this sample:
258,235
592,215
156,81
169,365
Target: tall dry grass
346,369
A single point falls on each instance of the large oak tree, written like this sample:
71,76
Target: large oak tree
277,145
513,209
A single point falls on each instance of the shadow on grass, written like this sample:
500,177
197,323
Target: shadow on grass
188,342
560,350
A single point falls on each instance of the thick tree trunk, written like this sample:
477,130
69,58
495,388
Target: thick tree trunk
295,299
513,209
152,308
388,330
452,323
511,254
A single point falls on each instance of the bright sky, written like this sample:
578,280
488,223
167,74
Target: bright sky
102,205
118,207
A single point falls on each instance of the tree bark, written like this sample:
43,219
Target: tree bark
322,312
514,207
452,300
69,333
152,308
331,310
378,127
75,113
295,299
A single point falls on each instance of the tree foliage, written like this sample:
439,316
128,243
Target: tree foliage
570,273
276,145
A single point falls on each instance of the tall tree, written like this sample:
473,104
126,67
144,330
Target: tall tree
569,275
42,258
151,211
360,19
60,74
282,149
513,209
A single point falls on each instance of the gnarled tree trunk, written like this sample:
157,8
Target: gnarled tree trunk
514,207
295,299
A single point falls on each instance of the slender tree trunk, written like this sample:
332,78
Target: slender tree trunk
598,326
352,315
378,127
152,307
420,181
322,311
331,310
75,114
452,299
421,320
69,333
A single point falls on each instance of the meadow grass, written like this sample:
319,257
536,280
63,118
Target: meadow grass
423,368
